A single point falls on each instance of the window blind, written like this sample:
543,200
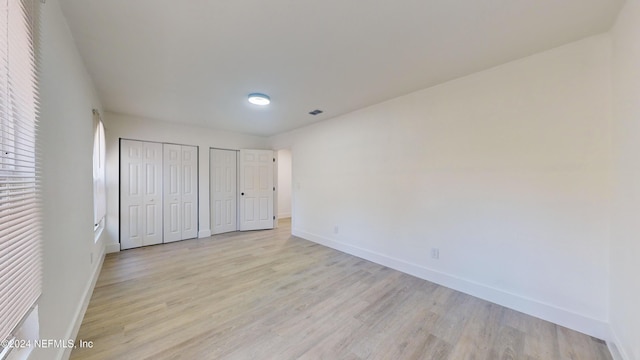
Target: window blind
20,249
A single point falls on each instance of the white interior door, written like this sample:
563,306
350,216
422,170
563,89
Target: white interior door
224,190
256,189
140,183
180,183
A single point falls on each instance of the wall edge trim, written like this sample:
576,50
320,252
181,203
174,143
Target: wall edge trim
74,328
615,347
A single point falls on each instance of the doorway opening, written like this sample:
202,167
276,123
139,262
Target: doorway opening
284,181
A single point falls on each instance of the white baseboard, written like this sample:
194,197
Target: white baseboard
112,248
204,233
616,349
284,215
549,312
72,332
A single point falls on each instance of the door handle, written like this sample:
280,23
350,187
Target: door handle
242,194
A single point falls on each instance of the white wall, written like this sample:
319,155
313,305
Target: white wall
505,171
625,241
67,98
284,183
129,127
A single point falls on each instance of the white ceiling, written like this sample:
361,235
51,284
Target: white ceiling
195,61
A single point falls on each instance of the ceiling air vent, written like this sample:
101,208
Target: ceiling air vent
315,112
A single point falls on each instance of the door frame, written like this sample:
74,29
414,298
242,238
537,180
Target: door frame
238,190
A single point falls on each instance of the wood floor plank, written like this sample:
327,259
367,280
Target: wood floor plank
269,295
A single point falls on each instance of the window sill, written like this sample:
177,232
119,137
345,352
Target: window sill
97,232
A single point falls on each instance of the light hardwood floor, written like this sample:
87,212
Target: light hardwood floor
268,295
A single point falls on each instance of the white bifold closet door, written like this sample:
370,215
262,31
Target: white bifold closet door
256,189
141,193
180,183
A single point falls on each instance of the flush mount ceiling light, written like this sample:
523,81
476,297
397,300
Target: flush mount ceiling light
259,99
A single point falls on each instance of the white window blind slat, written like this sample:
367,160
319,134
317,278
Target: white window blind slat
18,190
6,206
25,288
20,175
26,127
16,233
18,273
22,285
12,181
19,266
25,161
21,241
22,135
20,248
16,193
15,215
13,250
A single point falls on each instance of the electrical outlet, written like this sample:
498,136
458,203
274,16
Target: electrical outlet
435,253
336,229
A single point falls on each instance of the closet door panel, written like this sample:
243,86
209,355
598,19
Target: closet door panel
189,195
172,185
152,193
223,190
131,194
